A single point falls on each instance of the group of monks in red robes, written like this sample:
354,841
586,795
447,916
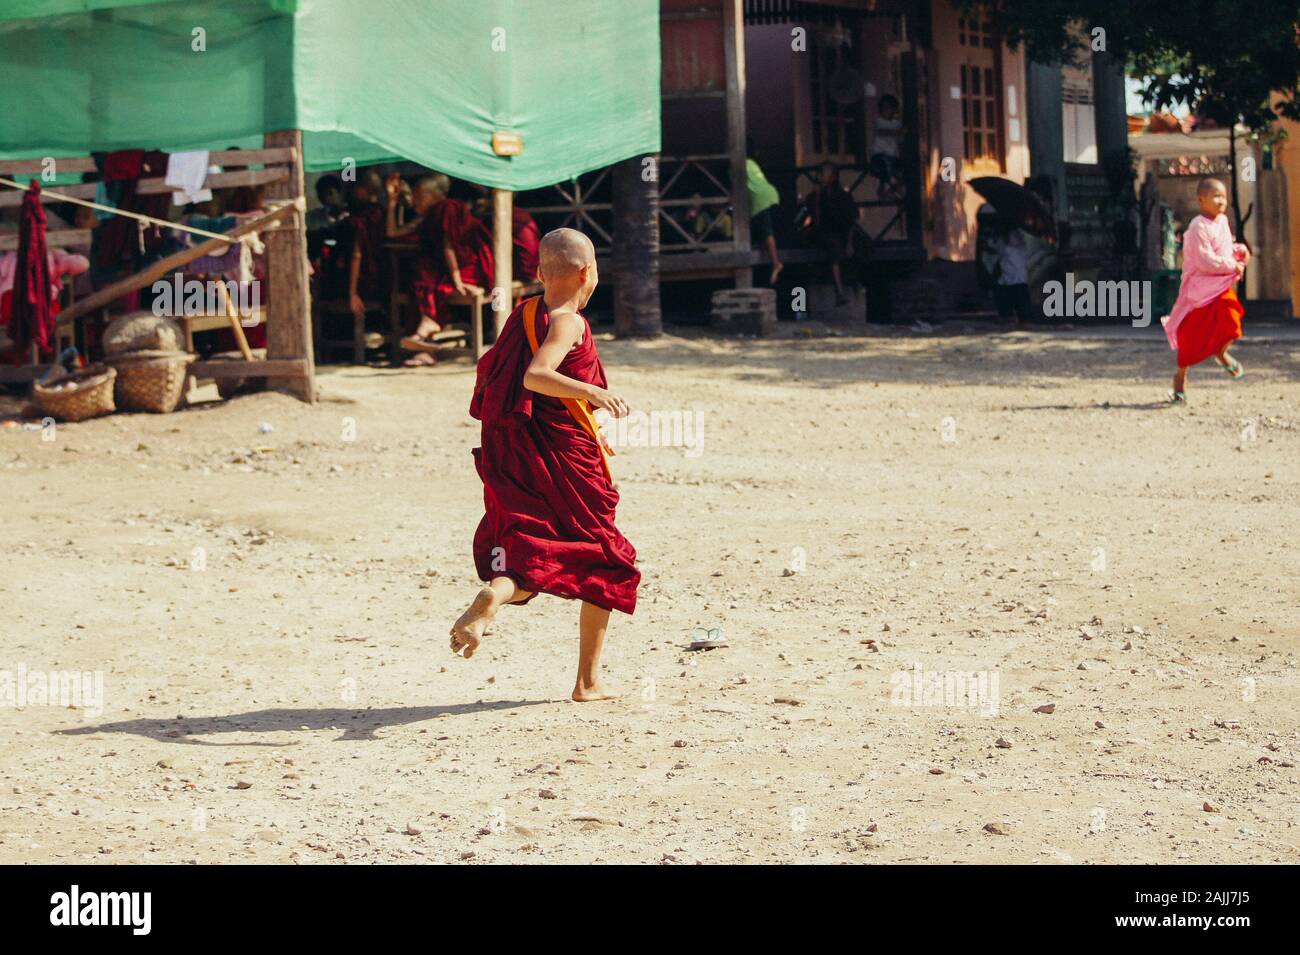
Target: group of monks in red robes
453,251
454,254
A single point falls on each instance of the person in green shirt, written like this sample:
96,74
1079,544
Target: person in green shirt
763,200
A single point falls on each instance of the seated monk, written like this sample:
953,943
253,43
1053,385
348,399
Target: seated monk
528,240
364,230
455,255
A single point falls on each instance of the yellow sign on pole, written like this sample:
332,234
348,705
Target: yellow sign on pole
507,144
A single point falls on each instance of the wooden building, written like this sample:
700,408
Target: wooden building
803,79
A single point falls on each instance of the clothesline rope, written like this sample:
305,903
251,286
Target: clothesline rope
61,197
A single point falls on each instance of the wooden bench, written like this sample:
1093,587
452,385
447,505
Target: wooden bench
357,342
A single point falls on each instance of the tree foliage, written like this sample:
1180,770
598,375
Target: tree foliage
1229,60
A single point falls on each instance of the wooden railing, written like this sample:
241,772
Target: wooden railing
583,203
695,189
882,217
699,184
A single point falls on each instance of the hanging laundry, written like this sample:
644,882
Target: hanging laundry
32,319
188,171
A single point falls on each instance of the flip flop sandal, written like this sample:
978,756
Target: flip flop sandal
1234,369
1177,397
711,639
412,343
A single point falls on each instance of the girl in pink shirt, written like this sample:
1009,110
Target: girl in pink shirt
1206,318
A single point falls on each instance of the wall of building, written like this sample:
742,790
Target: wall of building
1046,132
770,67
1286,160
1272,222
954,204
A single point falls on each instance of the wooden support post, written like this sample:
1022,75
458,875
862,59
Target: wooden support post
503,256
236,327
635,193
288,308
733,45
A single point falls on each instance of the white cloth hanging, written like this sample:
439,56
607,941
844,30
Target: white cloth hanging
187,172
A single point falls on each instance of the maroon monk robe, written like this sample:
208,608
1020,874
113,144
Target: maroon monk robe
452,221
32,318
527,242
549,521
363,228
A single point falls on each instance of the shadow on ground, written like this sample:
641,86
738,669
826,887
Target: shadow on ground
356,724
996,359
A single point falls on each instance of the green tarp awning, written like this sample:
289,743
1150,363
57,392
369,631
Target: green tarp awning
425,80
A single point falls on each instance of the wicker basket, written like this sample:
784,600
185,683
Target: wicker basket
141,331
87,393
150,380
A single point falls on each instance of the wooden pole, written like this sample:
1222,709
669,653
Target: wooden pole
288,308
503,255
733,46
236,327
637,308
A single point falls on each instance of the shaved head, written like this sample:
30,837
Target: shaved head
564,251
1209,184
436,183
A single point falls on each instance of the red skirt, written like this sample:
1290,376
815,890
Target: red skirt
1207,329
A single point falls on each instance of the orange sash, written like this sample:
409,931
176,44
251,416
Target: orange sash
579,408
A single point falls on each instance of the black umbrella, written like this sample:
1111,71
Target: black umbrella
1015,204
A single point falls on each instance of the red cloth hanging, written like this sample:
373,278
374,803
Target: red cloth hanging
33,309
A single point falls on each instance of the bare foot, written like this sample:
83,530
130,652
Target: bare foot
468,630
427,327
777,269
589,694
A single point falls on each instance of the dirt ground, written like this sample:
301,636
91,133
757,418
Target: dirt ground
268,608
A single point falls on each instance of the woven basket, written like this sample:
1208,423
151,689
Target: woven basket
150,380
87,393
142,331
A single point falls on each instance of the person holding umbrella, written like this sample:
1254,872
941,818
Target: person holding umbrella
1013,215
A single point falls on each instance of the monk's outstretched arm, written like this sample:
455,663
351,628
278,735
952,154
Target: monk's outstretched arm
392,187
354,280
393,230
543,378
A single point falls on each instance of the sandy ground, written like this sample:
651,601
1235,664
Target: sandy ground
269,613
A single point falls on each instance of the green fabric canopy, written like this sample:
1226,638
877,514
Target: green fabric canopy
425,80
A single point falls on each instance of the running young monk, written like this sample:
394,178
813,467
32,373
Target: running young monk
549,500
1206,318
